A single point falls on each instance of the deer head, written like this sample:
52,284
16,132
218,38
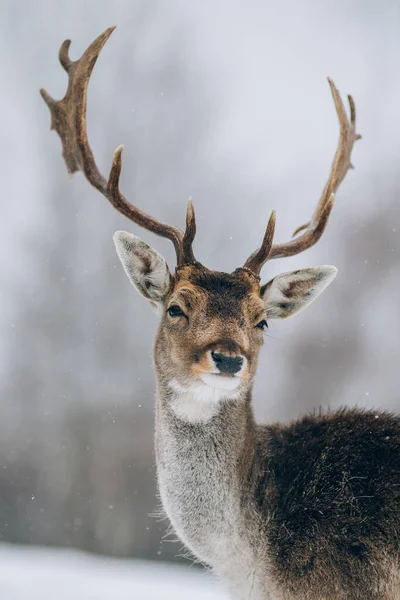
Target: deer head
212,323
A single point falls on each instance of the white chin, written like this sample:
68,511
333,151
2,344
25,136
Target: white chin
219,382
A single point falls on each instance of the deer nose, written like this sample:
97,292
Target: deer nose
227,364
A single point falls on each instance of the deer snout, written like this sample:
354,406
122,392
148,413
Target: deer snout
227,364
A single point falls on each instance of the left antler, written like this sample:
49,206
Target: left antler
315,228
68,118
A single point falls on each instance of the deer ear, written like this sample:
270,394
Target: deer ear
146,269
289,293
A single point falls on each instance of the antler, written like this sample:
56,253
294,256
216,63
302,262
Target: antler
315,228
68,118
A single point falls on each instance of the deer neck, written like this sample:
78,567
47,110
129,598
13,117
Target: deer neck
195,423
204,454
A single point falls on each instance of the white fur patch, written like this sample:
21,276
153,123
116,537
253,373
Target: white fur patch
220,384
199,402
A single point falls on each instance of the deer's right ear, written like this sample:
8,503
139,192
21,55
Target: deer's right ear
147,270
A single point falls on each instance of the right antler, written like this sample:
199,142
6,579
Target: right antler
68,118
315,228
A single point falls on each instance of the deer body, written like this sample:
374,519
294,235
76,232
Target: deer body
277,518
305,511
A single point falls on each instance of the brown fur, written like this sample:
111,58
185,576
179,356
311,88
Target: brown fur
223,311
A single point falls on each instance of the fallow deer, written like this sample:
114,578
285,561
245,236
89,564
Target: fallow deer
305,510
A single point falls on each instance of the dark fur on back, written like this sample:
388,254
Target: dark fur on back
328,487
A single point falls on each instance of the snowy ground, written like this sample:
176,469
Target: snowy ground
52,574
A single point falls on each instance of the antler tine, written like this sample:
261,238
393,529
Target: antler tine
68,118
256,260
341,164
190,233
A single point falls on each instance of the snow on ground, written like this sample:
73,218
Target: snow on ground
31,573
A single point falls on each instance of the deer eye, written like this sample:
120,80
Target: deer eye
262,324
175,311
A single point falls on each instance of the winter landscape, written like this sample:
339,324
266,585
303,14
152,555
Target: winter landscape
227,102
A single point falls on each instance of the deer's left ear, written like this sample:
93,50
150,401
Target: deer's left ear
289,293
146,268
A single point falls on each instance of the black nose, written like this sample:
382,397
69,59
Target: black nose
227,364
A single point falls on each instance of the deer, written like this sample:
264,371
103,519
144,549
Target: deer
304,510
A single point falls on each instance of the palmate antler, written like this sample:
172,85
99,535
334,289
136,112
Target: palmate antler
68,118
315,228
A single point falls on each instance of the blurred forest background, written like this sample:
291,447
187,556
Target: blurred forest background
225,101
